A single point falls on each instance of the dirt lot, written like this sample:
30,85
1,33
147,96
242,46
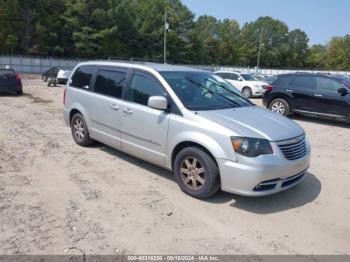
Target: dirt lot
55,195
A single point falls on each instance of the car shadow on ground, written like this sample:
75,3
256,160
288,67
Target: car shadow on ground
321,121
3,94
303,193
135,161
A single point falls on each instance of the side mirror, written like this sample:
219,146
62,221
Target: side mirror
158,102
342,91
240,79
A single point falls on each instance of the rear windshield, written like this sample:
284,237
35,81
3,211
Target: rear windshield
10,72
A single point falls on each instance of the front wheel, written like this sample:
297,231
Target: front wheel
280,107
196,173
247,92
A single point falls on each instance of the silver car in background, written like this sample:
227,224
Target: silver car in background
189,121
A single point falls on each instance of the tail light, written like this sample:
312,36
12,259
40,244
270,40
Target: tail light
269,88
64,96
18,83
18,77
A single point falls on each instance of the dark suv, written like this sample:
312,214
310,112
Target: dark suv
52,72
310,94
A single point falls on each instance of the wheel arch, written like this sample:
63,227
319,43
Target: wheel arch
281,96
184,144
72,113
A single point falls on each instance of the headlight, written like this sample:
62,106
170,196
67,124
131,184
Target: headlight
251,147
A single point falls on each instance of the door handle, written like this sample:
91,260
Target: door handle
128,111
114,107
318,95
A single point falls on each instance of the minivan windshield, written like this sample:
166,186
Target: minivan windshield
248,77
200,91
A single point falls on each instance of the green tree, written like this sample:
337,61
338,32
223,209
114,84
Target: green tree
89,26
297,49
317,57
338,55
274,42
229,33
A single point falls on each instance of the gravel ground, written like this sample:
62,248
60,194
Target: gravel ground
55,195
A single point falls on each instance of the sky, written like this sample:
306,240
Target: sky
320,19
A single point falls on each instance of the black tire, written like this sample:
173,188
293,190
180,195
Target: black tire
83,138
210,174
19,93
282,104
45,78
247,92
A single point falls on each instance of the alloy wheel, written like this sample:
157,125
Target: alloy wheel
79,129
192,173
246,92
278,107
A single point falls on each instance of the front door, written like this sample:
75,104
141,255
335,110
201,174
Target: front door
328,100
144,130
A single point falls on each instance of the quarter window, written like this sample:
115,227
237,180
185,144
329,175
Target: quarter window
110,83
142,87
82,76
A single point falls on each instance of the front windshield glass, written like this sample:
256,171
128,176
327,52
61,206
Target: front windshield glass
204,91
248,77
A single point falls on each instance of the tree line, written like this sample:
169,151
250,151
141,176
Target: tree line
135,28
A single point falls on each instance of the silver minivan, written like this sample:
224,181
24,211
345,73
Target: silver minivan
189,121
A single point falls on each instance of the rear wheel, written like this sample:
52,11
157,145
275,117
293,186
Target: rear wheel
247,92
80,131
196,173
280,106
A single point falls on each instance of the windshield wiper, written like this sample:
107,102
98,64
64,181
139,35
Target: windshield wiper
230,91
210,91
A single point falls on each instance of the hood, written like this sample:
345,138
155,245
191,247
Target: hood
255,122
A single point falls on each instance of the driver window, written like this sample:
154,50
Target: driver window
328,85
234,77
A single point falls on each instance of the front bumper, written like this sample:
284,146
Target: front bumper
263,175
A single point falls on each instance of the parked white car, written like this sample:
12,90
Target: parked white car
245,83
63,75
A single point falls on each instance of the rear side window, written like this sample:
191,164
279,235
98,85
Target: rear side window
110,83
223,75
283,81
82,76
142,87
304,82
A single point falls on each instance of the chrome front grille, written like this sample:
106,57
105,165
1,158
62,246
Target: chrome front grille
294,149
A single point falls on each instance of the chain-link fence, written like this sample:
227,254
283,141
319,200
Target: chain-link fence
38,65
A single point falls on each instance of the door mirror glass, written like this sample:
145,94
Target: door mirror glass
158,102
342,91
